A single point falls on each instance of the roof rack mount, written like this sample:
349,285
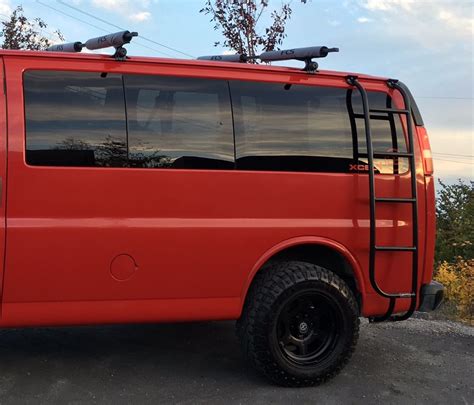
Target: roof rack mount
302,54
115,40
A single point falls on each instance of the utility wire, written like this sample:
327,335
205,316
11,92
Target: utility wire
453,154
7,18
97,27
121,28
453,161
445,98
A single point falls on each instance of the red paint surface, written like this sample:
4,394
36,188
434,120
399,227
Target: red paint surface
198,236
123,267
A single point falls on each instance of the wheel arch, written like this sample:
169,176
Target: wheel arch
310,249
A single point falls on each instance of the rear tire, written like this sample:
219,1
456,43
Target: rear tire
300,324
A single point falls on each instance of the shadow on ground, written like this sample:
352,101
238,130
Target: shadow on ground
419,361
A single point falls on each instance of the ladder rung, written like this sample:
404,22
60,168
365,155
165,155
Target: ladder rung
396,248
395,200
406,295
372,117
389,110
393,154
387,154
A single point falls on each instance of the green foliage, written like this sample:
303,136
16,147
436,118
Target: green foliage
455,222
458,279
20,33
238,21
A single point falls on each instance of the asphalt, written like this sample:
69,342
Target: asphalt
417,361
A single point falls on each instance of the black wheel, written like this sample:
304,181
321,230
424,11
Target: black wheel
299,325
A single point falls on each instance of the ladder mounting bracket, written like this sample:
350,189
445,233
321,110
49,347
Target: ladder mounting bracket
392,83
351,80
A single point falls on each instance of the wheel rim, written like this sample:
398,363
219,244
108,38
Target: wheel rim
307,328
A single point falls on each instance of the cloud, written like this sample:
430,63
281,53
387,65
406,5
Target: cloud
425,22
364,20
386,5
5,7
141,16
135,10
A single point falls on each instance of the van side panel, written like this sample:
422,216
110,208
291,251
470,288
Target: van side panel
192,236
3,174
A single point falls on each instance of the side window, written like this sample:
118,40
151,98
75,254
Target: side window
286,127
387,133
180,123
74,119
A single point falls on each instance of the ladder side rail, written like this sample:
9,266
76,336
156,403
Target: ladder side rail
414,195
352,80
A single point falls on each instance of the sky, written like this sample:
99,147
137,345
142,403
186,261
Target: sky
426,44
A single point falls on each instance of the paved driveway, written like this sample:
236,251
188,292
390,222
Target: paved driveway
418,361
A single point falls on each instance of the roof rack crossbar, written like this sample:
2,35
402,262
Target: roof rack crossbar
115,40
69,47
238,57
302,54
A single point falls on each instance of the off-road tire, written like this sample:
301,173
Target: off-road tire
256,328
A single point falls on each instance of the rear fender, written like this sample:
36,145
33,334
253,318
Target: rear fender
306,240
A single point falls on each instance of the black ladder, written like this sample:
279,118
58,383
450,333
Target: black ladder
373,199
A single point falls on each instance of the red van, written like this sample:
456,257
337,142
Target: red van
158,190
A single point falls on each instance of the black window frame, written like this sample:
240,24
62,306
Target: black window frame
356,133
25,121
220,165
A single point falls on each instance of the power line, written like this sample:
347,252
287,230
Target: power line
121,28
453,161
7,18
445,98
69,15
96,27
453,154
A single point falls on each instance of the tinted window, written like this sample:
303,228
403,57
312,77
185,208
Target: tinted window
387,133
74,119
179,123
291,127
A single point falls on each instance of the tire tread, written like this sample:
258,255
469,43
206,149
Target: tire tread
251,328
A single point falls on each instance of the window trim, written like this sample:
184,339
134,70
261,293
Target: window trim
264,80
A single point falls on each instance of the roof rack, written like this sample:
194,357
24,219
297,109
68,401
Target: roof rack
238,57
302,54
116,40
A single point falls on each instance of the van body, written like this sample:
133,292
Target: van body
157,190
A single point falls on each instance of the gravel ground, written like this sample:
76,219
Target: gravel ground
417,361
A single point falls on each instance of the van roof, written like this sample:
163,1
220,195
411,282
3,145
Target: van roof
187,62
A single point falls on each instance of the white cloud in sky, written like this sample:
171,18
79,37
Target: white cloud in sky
135,10
5,7
140,16
417,18
364,20
334,23
387,4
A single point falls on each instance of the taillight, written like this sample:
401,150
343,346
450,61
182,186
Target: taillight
426,151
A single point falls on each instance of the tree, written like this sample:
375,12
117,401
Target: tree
238,21
455,222
20,33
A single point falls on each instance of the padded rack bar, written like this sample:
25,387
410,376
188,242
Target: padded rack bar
116,40
302,54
